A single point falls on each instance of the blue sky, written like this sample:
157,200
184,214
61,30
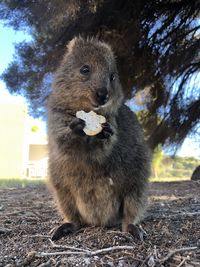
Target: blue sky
8,38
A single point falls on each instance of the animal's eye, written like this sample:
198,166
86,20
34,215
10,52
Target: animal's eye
112,77
85,69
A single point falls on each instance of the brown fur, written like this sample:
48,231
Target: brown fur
96,181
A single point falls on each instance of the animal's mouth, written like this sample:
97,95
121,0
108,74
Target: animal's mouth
100,103
91,102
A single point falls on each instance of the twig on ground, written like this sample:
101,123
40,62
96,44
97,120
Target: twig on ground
40,236
54,245
59,253
84,252
182,262
171,253
103,250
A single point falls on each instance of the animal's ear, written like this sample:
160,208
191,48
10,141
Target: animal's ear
71,44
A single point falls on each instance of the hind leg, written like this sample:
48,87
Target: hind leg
66,204
132,212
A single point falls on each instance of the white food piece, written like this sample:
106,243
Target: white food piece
92,120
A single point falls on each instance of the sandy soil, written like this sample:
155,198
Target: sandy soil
172,225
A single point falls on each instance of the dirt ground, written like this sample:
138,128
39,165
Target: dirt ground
172,225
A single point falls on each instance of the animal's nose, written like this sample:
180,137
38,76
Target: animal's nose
102,95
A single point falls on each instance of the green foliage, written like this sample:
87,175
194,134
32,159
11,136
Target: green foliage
175,168
20,182
156,161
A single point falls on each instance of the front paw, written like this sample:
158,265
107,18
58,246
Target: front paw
77,126
107,132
